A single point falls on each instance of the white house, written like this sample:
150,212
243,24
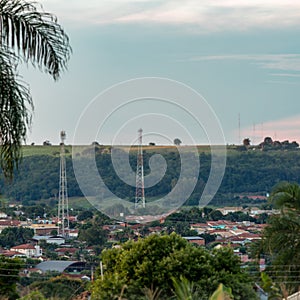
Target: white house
28,250
3,215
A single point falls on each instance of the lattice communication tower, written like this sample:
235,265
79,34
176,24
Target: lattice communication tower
63,202
140,191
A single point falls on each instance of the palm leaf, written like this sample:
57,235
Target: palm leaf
221,293
15,116
35,35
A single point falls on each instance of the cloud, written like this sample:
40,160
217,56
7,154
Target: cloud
285,74
203,16
282,129
283,62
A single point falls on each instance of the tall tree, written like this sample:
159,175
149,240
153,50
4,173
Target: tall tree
280,241
27,34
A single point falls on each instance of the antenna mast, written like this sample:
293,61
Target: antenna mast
63,202
239,124
140,191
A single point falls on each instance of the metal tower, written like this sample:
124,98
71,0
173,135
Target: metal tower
140,191
63,203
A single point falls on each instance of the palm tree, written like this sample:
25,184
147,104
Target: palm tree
27,34
221,293
286,196
280,240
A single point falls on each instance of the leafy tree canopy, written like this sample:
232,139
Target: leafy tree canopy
12,236
157,261
9,276
280,242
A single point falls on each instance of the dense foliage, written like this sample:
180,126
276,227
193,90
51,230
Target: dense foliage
12,236
156,261
280,243
246,172
59,287
9,276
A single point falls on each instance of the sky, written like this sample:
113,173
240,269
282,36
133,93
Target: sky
241,56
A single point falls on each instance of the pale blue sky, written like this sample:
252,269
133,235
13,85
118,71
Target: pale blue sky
242,56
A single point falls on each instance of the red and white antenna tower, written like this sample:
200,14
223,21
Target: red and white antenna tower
140,191
63,203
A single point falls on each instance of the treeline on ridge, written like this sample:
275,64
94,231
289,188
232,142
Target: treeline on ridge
246,172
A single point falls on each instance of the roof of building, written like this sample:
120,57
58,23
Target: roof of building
9,253
193,237
9,223
23,246
55,265
47,237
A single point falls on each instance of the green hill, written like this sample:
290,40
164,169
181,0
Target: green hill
247,172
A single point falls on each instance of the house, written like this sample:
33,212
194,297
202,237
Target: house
43,229
12,254
50,239
73,233
28,250
195,240
199,227
66,251
3,215
9,223
226,210
29,271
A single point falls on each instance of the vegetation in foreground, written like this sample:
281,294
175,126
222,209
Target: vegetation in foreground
280,243
156,262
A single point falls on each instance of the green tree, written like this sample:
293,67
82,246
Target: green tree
286,196
184,290
92,232
12,236
177,142
280,240
222,293
84,215
156,261
26,35
59,287
9,276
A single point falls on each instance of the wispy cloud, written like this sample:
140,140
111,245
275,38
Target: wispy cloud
207,15
282,62
285,75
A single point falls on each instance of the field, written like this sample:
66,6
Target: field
55,149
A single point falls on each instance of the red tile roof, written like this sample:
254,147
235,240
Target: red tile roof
23,246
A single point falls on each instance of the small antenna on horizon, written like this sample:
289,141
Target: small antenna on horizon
253,135
239,124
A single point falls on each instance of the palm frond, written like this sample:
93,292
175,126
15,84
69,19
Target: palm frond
286,195
35,35
15,112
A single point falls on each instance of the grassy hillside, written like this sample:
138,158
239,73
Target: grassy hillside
247,172
44,150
